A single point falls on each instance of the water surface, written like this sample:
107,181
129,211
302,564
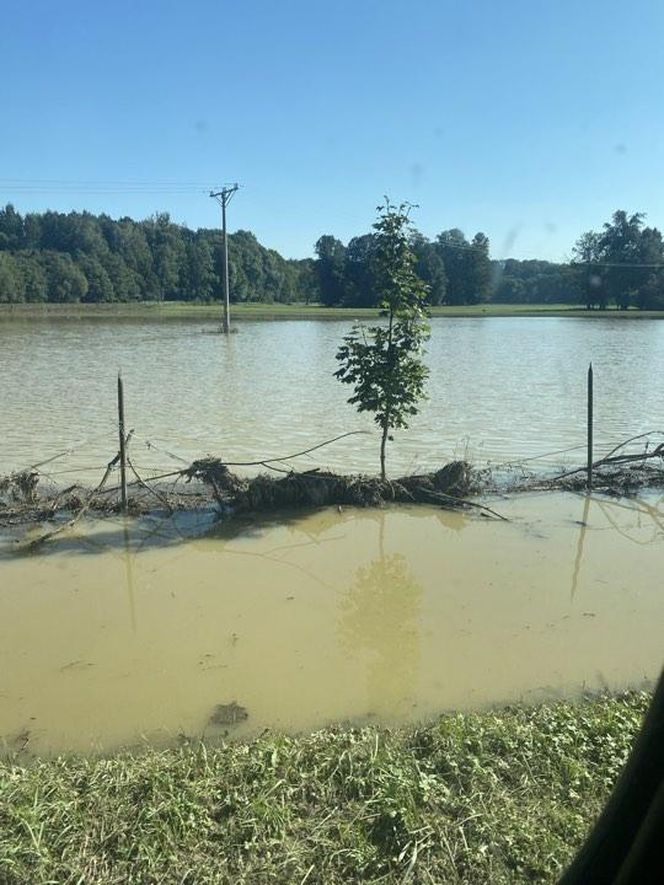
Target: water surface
501,389
130,631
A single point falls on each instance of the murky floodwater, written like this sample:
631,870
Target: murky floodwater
501,389
123,631
138,629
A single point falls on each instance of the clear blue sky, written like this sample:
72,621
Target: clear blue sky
531,120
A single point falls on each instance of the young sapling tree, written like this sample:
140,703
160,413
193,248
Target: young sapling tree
384,362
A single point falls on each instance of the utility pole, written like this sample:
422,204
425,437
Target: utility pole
223,197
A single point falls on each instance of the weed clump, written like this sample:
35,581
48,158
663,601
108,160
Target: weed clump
500,797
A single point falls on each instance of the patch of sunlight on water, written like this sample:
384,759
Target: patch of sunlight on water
394,615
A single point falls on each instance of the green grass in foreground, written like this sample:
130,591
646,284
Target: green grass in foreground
482,798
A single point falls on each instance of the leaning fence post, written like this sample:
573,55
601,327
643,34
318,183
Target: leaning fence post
590,428
123,453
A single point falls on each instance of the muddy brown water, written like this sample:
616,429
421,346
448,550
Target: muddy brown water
501,389
147,630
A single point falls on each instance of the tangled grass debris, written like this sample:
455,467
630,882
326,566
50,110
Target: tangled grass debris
210,482
316,488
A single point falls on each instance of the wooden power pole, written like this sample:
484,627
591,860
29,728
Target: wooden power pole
223,197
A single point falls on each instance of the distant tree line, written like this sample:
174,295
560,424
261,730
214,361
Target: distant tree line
534,282
78,256
622,264
455,270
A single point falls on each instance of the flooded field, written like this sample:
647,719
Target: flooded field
154,629
501,389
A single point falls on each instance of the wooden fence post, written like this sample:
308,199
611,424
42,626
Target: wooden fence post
590,427
123,453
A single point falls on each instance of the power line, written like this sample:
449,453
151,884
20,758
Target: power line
590,264
101,186
39,191
106,181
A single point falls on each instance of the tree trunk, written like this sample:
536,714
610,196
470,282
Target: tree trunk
382,451
386,417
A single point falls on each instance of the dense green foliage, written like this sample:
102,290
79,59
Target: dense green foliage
534,282
384,363
623,263
79,257
454,270
502,797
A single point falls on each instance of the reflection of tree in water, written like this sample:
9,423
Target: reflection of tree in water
379,615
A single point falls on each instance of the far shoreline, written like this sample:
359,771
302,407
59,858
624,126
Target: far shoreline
263,311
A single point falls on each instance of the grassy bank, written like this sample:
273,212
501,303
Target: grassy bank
255,311
492,797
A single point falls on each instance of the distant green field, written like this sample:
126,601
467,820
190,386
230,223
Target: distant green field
260,311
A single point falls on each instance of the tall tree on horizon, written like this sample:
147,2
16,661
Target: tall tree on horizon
623,262
330,254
